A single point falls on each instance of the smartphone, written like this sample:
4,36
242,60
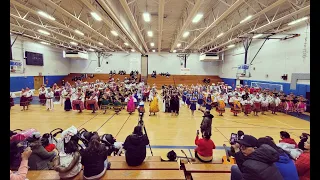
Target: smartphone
233,138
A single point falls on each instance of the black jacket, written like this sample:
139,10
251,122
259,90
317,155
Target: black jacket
259,165
206,123
93,162
135,147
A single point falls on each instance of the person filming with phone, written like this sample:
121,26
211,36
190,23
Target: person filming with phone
203,151
233,138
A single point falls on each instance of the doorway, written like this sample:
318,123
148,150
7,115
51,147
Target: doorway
38,82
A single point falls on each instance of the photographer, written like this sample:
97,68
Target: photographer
233,140
135,146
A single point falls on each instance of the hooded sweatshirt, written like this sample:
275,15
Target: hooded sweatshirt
206,123
39,157
135,147
287,167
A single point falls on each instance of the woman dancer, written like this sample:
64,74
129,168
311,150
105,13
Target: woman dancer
184,96
42,95
49,102
208,102
221,100
154,106
78,102
24,100
131,103
200,99
289,106
174,104
301,105
256,104
264,104
105,102
12,95
274,102
67,102
236,106
247,104
193,103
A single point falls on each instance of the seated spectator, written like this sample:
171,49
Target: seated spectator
69,162
285,138
167,74
303,162
135,146
16,149
254,163
303,139
40,158
94,159
45,143
21,174
285,164
203,152
231,152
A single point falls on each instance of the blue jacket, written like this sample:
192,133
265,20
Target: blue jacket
287,167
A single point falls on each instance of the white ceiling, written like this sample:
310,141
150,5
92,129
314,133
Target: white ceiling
169,20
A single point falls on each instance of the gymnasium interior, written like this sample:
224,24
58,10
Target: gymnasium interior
238,43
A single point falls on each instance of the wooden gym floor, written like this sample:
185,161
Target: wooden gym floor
165,132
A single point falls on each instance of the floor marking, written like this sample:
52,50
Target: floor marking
190,153
281,122
106,121
89,119
178,147
122,125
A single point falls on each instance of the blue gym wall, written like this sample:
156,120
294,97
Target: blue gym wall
302,89
19,82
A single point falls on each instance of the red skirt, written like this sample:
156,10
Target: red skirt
77,102
11,102
273,107
23,101
89,102
29,99
256,107
42,98
247,108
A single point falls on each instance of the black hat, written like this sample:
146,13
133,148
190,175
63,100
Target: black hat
12,133
248,141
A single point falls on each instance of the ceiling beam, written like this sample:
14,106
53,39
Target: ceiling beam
160,17
134,23
230,10
69,15
255,16
57,24
110,24
193,12
263,26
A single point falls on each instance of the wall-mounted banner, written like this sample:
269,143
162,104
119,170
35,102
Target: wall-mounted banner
16,66
185,71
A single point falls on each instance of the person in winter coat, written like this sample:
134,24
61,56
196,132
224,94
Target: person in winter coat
285,164
21,174
206,123
40,158
135,146
254,163
303,162
285,138
94,159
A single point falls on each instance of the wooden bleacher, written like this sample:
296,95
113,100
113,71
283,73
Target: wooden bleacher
146,166
194,79
123,159
208,168
160,80
210,176
113,174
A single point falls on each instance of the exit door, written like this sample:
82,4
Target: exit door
38,82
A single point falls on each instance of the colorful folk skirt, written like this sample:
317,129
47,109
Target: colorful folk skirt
57,95
200,101
236,108
184,98
77,105
42,99
11,102
23,101
257,107
247,108
89,104
193,106
29,99
188,101
273,107
67,104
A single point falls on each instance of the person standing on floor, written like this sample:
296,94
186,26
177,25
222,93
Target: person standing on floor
193,103
154,105
49,101
174,104
206,123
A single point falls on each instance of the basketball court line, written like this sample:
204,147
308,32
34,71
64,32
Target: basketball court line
105,122
281,122
122,126
178,147
89,120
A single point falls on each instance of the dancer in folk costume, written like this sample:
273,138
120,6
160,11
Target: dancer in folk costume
264,104
246,106
193,103
166,102
117,104
256,104
235,102
49,102
131,100
274,102
67,102
78,102
56,90
92,102
184,96
289,105
200,99
151,94
208,102
221,100
29,96
188,96
141,109
12,95
63,96
154,105
42,95
24,100
282,104
174,104
301,105
146,93
105,102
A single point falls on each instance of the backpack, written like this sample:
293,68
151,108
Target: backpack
22,135
171,155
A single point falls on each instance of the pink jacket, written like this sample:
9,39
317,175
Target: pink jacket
21,174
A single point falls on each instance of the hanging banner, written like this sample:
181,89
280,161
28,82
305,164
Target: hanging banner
16,66
185,71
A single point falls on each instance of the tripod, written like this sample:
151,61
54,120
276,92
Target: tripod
141,123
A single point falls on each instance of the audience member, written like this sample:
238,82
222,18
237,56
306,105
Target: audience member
40,158
303,139
303,162
206,123
135,146
285,138
69,162
254,163
21,174
232,152
285,164
45,142
94,159
203,152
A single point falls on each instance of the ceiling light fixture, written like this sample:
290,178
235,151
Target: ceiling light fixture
91,50
100,43
132,50
246,19
197,18
152,44
126,44
178,45
153,50
186,34
45,43
45,15
220,35
150,33
174,51
298,20
146,17
73,43
114,33
79,32
95,16
43,32
232,45
257,36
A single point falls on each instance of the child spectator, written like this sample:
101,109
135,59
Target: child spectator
285,138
